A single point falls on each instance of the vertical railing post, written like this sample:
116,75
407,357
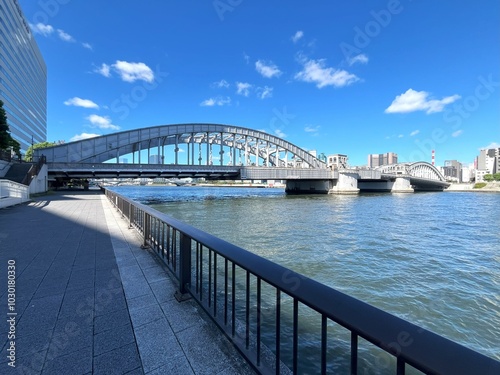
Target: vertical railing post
184,268
146,229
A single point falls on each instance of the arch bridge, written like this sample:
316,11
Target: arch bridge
216,151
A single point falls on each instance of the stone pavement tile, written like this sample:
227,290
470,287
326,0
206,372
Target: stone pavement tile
109,300
137,371
29,344
29,365
74,325
156,273
157,345
41,312
182,315
77,302
118,361
75,363
113,339
163,290
209,351
179,366
142,301
68,342
145,315
111,321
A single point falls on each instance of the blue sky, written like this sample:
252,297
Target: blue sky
353,77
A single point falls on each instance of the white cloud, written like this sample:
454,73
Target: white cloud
268,70
457,133
65,36
79,137
102,122
243,88
361,58
87,45
491,145
104,70
219,101
311,129
415,132
400,136
221,84
246,57
315,71
412,101
79,102
279,133
297,36
42,29
264,92
131,72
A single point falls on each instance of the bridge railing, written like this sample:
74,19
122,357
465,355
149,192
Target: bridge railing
259,305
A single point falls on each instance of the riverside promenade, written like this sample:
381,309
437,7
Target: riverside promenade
89,300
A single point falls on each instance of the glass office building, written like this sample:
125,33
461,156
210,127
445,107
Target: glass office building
23,77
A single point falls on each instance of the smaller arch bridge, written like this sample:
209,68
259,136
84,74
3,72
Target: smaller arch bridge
419,169
421,175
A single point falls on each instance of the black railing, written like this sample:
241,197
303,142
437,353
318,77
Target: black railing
259,304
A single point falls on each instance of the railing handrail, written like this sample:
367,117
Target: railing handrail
417,346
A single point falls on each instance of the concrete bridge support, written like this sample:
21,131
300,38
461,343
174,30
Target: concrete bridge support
397,185
308,186
402,185
347,183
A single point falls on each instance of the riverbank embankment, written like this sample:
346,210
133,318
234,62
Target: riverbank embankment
490,187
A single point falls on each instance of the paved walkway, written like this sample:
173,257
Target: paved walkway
90,301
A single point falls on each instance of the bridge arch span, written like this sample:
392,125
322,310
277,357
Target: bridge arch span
207,144
420,169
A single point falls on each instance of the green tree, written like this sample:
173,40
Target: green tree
5,137
29,151
496,176
6,140
488,177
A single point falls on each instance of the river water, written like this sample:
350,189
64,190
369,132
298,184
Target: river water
430,258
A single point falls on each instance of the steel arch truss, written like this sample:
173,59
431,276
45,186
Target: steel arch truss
419,169
222,144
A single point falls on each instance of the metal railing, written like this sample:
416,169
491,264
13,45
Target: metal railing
259,304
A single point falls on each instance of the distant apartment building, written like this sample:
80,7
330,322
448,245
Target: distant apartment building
23,77
377,160
488,162
338,161
154,159
452,170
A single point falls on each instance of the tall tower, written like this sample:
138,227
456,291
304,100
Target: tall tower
433,158
23,77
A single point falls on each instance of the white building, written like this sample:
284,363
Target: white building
488,162
23,77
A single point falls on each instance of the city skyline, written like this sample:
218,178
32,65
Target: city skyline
351,78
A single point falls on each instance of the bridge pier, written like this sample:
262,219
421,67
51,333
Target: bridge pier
308,186
402,185
347,183
397,185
